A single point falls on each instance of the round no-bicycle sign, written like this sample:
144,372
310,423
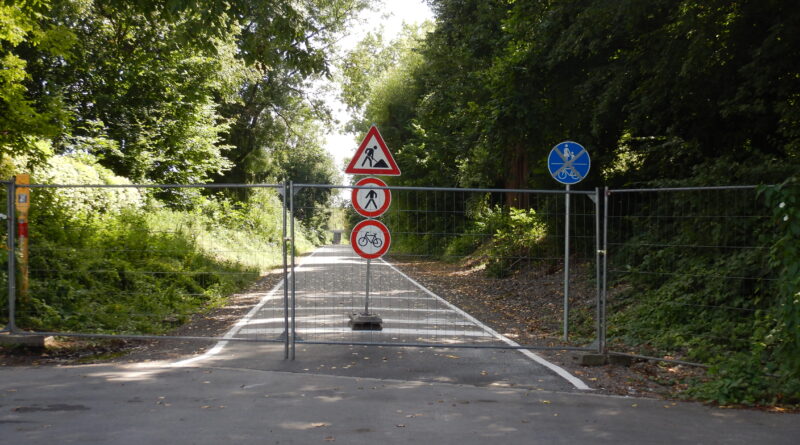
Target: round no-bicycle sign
368,201
370,239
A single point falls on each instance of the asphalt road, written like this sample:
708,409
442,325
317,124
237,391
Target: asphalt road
247,392
138,404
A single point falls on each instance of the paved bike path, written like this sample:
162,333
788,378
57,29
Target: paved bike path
330,284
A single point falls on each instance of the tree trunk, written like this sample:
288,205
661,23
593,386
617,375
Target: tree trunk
517,171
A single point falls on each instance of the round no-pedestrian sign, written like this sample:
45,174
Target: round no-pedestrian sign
368,201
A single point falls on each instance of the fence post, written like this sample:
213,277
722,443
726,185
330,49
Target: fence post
11,222
294,294
604,298
284,240
598,255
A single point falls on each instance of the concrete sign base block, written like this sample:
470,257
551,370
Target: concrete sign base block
22,341
365,322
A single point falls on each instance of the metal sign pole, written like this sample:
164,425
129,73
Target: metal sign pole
366,300
566,267
285,240
294,294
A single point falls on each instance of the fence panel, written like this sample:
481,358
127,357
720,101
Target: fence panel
687,270
113,260
464,266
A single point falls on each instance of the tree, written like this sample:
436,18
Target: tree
27,118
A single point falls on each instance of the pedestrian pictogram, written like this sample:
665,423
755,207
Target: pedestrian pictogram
368,201
373,157
568,162
370,239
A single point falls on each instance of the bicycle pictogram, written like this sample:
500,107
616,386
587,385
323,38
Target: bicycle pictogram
371,238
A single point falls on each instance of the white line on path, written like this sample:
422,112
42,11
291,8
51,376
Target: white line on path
241,323
576,382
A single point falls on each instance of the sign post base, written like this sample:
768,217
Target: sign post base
365,322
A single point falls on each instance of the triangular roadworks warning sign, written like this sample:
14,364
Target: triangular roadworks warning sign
373,157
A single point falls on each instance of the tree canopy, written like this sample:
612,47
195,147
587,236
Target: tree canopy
185,91
663,89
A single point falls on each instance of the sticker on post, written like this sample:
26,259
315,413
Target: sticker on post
370,239
368,201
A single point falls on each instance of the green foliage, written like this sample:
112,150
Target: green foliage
515,233
501,239
186,92
653,89
25,117
118,260
731,306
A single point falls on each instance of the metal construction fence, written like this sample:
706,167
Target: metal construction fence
686,271
475,268
459,259
116,261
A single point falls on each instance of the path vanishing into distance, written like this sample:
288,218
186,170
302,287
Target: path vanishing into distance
245,392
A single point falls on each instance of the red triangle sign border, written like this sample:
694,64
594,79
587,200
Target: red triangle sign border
354,169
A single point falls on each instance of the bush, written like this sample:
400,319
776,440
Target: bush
747,328
121,261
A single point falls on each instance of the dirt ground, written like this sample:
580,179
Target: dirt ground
525,307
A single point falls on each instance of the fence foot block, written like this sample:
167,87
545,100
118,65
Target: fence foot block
365,322
590,358
22,341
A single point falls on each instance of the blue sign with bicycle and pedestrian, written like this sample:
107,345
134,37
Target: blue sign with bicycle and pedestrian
568,162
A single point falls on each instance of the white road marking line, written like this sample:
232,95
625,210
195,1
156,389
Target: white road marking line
386,331
576,382
235,329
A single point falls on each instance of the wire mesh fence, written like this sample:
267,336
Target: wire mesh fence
469,268
687,270
115,260
466,267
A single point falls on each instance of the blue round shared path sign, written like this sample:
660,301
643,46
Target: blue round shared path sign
568,162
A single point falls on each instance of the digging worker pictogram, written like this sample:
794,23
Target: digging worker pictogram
370,151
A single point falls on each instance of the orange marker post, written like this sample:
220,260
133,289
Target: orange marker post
22,201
